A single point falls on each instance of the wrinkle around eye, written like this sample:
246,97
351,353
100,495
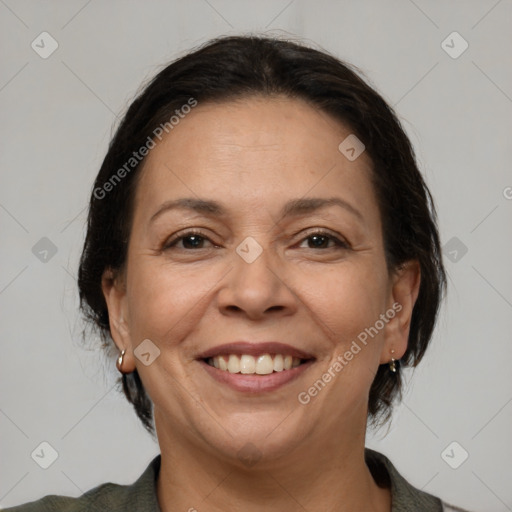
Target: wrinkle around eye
335,242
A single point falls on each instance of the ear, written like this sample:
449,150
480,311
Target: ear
114,291
404,290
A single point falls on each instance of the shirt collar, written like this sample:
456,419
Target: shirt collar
404,496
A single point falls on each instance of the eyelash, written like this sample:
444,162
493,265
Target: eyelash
339,244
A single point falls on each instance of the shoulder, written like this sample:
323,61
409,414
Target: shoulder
106,496
405,497
140,496
451,508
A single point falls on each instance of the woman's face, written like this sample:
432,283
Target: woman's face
258,174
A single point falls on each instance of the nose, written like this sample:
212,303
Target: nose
257,287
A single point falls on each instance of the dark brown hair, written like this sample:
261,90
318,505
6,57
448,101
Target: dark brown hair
230,68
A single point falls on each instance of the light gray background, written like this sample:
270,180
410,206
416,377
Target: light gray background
57,119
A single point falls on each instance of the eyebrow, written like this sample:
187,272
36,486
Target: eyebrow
292,208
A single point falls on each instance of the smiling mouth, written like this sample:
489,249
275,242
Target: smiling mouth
247,364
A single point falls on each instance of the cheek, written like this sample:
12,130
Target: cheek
351,304
164,300
353,301
348,299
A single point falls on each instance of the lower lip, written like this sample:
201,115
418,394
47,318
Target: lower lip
256,383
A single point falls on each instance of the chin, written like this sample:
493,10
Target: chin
257,439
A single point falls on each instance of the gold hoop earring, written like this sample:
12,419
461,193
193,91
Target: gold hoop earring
119,362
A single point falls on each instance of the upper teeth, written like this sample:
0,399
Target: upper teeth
261,365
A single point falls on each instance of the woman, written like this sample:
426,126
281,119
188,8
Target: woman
263,252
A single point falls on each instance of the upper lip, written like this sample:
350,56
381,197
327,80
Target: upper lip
254,349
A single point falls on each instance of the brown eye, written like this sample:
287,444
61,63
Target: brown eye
191,240
320,240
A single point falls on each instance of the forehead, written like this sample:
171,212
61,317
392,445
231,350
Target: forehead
258,150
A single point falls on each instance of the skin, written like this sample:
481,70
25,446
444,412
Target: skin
252,156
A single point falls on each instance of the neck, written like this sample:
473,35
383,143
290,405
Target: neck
329,476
